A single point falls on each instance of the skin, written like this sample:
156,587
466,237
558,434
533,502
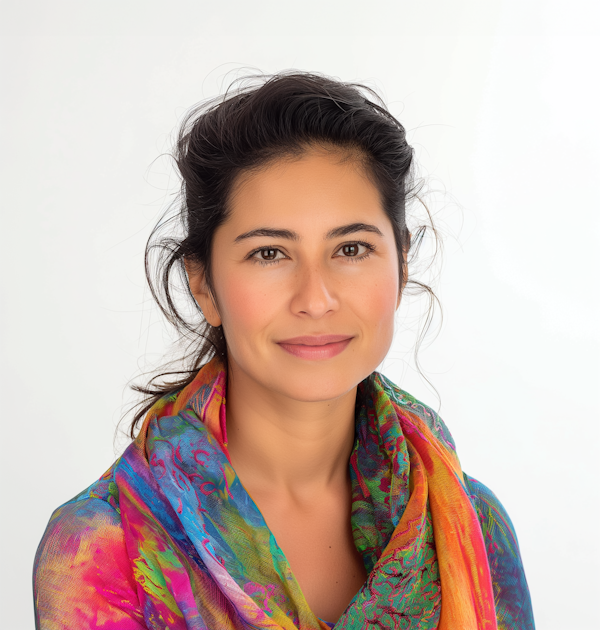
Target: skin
290,420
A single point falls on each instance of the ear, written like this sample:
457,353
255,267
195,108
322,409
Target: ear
403,281
400,296
201,292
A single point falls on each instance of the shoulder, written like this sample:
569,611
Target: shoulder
493,515
513,602
82,565
91,515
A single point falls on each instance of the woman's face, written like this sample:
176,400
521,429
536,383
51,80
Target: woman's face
307,253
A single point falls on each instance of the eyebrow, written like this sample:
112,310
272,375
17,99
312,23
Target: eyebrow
343,230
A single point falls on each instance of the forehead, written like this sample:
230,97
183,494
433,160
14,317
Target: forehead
319,185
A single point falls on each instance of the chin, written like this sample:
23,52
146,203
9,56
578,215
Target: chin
307,381
317,383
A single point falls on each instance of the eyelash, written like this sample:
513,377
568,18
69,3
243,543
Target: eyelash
370,249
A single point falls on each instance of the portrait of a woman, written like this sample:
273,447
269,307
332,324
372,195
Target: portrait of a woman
280,481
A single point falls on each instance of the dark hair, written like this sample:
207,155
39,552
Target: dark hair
255,122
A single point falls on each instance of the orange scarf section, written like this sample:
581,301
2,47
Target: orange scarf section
467,594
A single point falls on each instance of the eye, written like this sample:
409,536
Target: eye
356,251
267,255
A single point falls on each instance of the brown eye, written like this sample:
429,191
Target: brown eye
355,252
268,254
350,250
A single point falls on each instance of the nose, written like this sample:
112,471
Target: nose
313,295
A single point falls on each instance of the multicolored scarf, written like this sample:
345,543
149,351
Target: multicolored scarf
203,557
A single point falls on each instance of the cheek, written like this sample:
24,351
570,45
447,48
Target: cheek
377,305
247,306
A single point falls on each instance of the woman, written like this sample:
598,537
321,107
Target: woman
283,483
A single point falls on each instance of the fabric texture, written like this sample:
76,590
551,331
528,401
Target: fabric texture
168,538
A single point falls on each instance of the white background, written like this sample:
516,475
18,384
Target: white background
502,105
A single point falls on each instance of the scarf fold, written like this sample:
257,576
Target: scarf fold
203,556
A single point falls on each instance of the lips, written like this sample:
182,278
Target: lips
315,340
315,347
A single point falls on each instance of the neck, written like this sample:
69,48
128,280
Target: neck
289,446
